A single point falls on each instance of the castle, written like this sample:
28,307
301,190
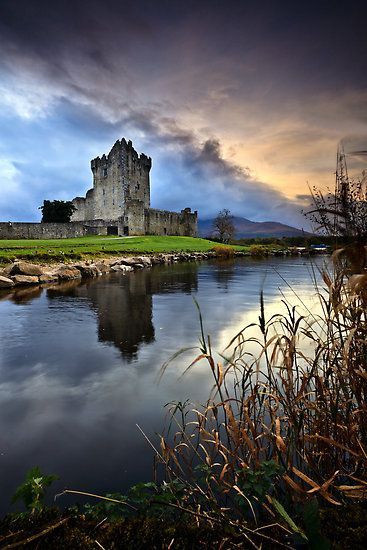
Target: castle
120,199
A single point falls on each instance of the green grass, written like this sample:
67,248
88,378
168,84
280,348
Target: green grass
58,249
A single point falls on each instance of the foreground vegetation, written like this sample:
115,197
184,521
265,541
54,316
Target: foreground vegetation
276,457
60,249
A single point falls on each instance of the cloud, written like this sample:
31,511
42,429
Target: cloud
190,172
241,107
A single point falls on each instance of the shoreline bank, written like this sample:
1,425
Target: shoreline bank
21,273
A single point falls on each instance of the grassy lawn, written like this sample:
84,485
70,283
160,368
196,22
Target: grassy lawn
58,249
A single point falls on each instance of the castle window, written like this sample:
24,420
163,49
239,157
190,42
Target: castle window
105,172
103,191
113,201
104,202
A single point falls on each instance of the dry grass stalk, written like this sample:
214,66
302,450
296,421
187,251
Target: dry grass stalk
305,413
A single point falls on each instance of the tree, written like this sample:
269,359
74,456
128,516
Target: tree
57,211
223,226
343,213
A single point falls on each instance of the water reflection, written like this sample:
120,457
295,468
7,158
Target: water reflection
78,364
124,304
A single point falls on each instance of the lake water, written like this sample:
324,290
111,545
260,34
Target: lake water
79,362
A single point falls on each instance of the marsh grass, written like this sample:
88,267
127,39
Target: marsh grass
285,425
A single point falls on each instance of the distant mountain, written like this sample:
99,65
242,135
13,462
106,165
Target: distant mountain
246,229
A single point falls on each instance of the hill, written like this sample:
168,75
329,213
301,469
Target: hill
247,229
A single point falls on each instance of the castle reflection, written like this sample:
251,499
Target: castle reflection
124,303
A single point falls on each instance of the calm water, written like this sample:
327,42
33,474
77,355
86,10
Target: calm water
78,364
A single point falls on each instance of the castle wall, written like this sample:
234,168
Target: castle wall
84,207
163,222
119,177
80,212
18,230
120,199
132,222
21,230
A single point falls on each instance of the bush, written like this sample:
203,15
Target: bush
223,251
258,251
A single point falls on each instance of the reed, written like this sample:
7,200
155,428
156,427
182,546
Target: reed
286,420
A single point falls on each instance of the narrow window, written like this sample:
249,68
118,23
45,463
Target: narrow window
103,191
105,172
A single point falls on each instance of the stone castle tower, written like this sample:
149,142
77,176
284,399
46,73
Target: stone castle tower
120,198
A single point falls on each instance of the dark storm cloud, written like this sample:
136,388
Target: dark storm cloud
189,172
175,77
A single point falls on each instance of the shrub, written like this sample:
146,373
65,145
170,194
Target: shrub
223,251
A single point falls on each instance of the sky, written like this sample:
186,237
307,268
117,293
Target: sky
240,104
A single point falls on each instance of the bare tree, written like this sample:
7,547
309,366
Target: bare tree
343,213
223,226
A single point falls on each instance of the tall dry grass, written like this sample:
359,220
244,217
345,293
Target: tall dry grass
286,420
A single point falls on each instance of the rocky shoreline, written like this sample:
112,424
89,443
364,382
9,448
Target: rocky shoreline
22,273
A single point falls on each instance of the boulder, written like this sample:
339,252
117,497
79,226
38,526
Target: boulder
124,268
129,261
6,271
115,268
48,278
68,273
25,279
156,260
144,260
24,268
5,282
103,267
88,271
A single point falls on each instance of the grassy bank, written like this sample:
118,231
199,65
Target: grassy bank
59,249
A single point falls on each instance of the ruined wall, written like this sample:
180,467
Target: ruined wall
163,222
20,230
17,230
84,207
80,212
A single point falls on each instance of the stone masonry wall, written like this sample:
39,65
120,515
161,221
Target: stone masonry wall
119,177
20,230
15,230
163,222
132,222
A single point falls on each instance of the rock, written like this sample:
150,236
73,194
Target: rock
129,261
6,271
24,268
5,282
103,267
115,268
25,279
68,273
127,268
48,278
124,268
156,260
88,271
144,260
166,258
